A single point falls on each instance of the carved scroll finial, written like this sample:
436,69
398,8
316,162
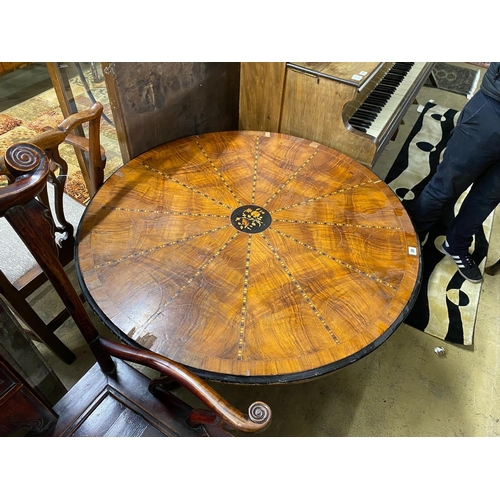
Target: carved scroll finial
23,158
259,413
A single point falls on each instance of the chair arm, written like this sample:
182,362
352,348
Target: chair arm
82,143
259,414
52,137
30,167
72,121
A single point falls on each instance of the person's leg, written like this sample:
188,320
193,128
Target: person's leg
467,155
482,199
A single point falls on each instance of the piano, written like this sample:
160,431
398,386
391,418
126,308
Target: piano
354,107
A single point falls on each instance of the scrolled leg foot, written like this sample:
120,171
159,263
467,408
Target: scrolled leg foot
259,413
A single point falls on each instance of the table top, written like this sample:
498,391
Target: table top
249,257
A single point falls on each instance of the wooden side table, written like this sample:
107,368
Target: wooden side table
249,257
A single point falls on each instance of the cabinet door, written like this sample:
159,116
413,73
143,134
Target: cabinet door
22,412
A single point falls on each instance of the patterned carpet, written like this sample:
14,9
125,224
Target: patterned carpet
24,121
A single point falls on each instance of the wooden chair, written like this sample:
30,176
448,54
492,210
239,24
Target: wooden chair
112,390
17,292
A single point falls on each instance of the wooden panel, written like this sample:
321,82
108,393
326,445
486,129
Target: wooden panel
312,108
153,103
261,93
21,410
263,85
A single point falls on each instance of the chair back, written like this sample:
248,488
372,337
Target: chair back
21,275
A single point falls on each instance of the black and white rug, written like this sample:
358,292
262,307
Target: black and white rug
447,304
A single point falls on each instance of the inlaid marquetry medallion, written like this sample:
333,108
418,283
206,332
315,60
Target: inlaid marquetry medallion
249,256
251,219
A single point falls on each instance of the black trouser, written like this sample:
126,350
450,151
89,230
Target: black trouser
472,156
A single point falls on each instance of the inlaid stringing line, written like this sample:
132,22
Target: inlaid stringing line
300,289
345,264
166,212
159,247
338,224
190,280
255,162
291,177
218,173
244,301
310,200
180,183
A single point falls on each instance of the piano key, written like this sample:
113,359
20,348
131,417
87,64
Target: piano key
365,114
386,96
360,123
361,129
393,103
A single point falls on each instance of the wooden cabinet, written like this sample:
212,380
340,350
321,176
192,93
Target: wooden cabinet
28,386
21,410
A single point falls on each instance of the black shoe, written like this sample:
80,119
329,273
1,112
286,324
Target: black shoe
465,263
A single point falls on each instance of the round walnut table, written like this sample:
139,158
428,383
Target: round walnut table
249,257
